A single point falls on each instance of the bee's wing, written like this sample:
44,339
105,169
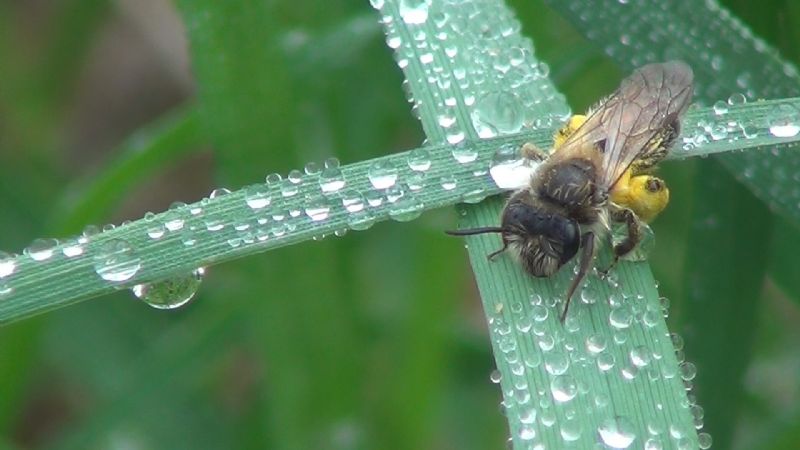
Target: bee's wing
622,126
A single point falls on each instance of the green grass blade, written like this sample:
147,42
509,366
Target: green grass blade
542,364
719,306
36,286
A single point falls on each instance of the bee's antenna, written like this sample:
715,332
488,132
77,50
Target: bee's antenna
587,254
473,231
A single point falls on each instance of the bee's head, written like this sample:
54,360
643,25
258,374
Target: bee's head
561,234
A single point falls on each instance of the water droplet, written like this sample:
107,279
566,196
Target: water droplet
214,224
605,361
382,174
360,220
448,182
720,108
414,12
317,207
311,168
331,179
688,371
291,185
406,208
497,113
653,444
464,154
189,236
257,196
784,120
156,231
704,440
171,293
640,356
72,248
7,264
564,388
620,318
419,160
219,192
737,99
527,433
116,260
527,415
556,363
570,430
617,432
596,343
172,219
509,169
353,201
41,249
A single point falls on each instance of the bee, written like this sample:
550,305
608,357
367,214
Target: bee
598,173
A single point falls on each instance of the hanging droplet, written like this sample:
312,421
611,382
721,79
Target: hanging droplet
116,260
171,293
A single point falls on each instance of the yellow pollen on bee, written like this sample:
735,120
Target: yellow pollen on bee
631,191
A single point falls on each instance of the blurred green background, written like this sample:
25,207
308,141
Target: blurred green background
110,109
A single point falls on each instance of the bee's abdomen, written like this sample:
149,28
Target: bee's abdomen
569,184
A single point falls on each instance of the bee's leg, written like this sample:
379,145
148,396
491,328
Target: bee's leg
626,216
530,151
494,254
587,255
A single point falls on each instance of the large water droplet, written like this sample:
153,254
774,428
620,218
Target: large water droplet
509,169
617,432
317,207
331,179
464,153
419,160
497,113
116,260
382,174
564,388
171,293
784,121
41,249
414,12
7,264
257,196
72,248
406,208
